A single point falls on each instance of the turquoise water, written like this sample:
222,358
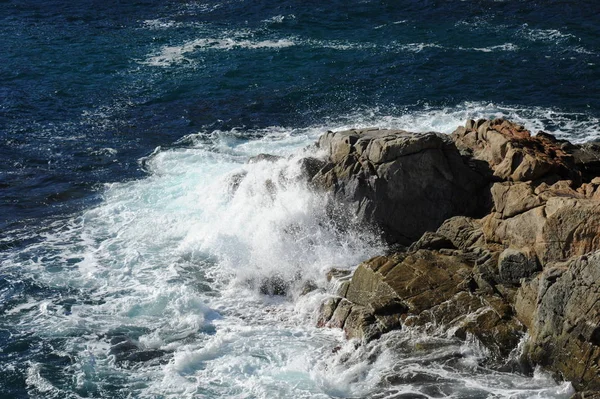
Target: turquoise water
129,267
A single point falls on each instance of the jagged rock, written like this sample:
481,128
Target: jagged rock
556,221
531,264
511,152
340,314
310,166
511,199
326,311
565,324
572,228
405,183
587,159
337,274
463,232
234,181
488,318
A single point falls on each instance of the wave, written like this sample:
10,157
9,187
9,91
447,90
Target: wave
545,35
169,55
500,47
159,286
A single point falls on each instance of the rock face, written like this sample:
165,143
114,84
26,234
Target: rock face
504,234
561,308
405,183
511,152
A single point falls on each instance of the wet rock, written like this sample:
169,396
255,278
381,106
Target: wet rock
337,274
404,183
310,166
326,310
565,324
264,158
274,286
126,351
234,181
531,264
340,314
308,287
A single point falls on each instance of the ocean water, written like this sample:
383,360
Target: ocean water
131,265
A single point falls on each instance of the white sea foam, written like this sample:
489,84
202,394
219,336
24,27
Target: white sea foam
173,262
491,49
545,35
278,19
169,55
416,47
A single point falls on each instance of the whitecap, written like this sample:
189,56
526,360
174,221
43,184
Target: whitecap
171,55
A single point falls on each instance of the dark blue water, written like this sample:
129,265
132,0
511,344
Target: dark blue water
88,88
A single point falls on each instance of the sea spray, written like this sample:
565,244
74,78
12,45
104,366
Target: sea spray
156,287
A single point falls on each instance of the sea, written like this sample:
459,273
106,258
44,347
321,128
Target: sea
133,257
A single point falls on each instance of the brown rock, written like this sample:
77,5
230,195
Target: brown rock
511,152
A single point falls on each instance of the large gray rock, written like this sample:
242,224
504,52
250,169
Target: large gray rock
561,307
404,183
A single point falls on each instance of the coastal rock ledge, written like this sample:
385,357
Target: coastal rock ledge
497,237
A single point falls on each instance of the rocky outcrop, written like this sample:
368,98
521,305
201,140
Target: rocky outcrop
405,183
561,308
424,288
503,231
556,221
511,152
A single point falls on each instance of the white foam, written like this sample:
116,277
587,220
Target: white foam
416,47
545,35
176,256
491,49
170,55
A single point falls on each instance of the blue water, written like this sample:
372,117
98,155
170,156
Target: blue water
127,113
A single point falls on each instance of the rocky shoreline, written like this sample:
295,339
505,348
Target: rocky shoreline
496,235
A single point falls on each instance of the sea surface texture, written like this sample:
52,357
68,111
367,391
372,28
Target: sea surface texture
131,269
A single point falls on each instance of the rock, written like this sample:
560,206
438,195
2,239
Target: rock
310,166
511,199
326,311
531,264
587,395
234,181
511,152
337,274
463,232
587,159
307,287
427,289
556,221
404,183
487,318
360,324
264,158
572,228
565,327
514,264
340,314
274,286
